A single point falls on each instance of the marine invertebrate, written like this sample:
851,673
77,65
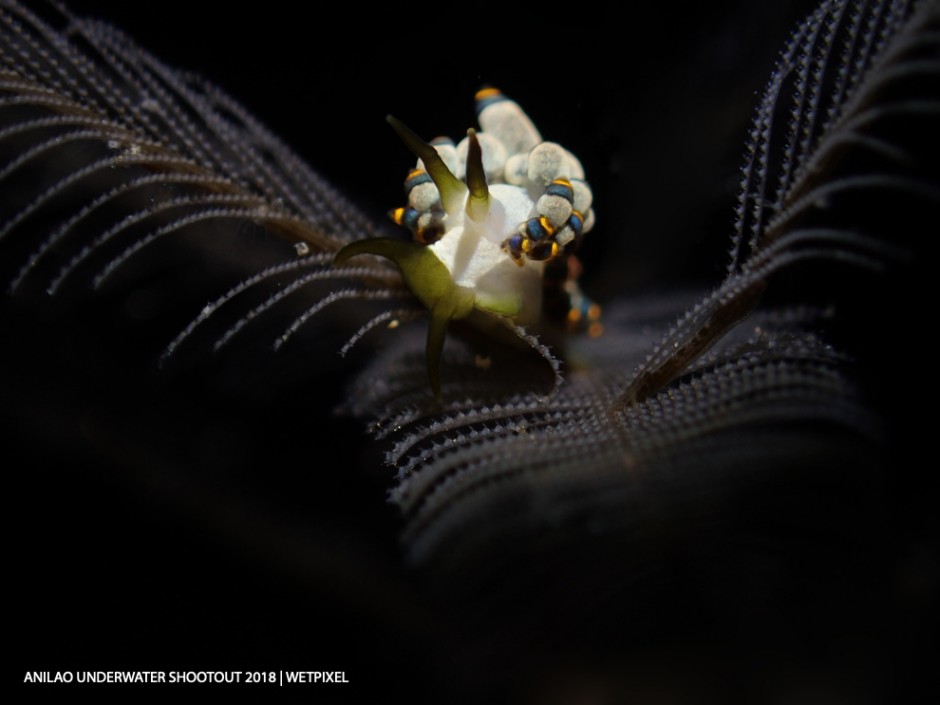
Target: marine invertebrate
490,211
767,375
719,460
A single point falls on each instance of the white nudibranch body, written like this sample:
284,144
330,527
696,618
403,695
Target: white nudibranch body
487,214
474,254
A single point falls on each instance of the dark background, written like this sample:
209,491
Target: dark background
176,524
657,107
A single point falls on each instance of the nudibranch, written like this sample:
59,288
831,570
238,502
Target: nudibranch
487,215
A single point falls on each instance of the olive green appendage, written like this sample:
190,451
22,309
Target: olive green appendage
429,280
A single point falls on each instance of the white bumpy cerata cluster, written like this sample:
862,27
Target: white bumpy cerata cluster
487,214
497,205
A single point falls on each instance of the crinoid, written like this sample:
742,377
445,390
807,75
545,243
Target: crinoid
575,501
